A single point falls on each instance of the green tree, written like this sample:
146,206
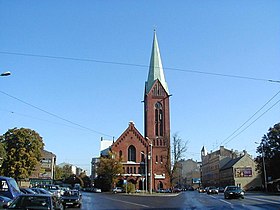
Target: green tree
108,171
66,172
74,179
58,172
2,153
86,179
23,147
270,146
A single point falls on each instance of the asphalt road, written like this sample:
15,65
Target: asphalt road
184,200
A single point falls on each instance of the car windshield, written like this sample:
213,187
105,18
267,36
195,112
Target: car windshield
71,193
31,202
233,188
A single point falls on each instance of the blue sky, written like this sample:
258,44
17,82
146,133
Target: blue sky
98,87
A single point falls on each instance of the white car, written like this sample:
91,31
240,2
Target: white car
118,190
96,190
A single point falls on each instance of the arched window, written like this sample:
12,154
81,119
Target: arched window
131,153
158,119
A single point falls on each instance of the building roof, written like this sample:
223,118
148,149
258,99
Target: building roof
47,154
231,163
156,69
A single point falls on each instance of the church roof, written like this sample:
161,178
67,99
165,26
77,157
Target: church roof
156,69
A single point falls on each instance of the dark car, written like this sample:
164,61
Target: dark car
27,191
4,201
233,192
201,190
71,198
212,190
221,189
41,191
36,201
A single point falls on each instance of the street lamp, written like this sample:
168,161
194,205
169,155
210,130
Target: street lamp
151,172
4,74
264,169
146,170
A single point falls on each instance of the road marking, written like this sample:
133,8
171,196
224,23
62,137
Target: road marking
214,197
258,199
136,204
225,202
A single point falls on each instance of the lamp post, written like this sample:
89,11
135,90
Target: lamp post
5,74
264,169
151,172
146,170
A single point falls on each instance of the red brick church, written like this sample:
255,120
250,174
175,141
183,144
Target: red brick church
146,159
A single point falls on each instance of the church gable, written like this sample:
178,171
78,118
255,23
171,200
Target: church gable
157,90
130,139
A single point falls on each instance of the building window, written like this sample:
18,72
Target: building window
158,119
142,157
131,153
127,170
120,154
156,158
134,170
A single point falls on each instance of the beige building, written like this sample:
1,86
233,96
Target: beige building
227,167
211,164
241,172
188,174
44,173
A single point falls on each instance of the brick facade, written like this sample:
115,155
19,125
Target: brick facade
157,130
146,159
129,148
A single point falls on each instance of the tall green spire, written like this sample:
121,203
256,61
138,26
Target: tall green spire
156,70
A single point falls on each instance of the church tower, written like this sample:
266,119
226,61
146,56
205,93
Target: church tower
157,122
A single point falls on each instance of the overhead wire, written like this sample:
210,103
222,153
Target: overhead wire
54,115
253,121
250,119
139,65
40,119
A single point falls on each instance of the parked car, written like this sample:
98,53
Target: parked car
71,198
96,190
118,190
164,191
233,192
212,190
41,191
36,201
9,187
4,201
54,189
201,190
177,190
27,191
221,189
